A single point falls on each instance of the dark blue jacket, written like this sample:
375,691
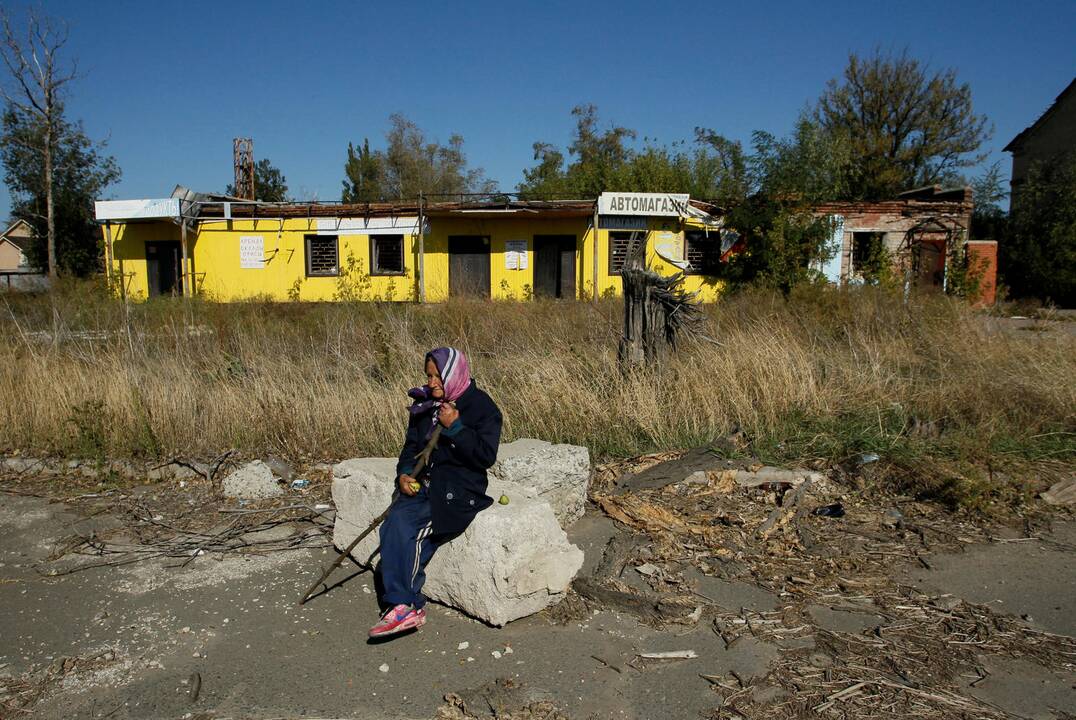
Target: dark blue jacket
457,468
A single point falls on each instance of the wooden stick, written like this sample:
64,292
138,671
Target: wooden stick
423,459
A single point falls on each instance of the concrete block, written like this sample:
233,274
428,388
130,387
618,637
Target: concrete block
253,481
559,474
513,560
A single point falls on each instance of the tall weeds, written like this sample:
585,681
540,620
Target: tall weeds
820,373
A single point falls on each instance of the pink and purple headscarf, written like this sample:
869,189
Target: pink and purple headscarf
455,378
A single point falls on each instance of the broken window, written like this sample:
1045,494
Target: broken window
620,247
322,255
703,252
386,255
870,259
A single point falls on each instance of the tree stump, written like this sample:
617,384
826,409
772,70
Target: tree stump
656,312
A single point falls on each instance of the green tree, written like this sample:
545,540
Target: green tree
605,159
988,219
785,241
547,179
364,174
810,165
409,165
905,125
1038,256
785,178
270,185
80,174
601,156
37,80
719,169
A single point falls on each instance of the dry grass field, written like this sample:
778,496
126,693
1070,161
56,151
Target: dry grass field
822,374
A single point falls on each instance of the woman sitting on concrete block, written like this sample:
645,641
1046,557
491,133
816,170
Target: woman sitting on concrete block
447,493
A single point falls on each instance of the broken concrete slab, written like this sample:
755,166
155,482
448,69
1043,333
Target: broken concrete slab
733,594
1025,688
559,473
512,561
591,533
1061,493
253,481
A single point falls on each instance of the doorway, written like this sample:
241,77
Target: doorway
468,266
930,264
554,266
163,263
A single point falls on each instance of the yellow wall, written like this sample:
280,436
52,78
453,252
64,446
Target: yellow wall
214,251
708,287
129,252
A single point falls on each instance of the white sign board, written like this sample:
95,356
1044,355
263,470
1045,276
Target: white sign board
648,204
136,209
515,255
369,226
252,252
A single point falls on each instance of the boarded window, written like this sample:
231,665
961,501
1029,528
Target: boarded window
620,247
703,251
386,254
322,255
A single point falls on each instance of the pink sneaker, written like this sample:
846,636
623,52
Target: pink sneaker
398,619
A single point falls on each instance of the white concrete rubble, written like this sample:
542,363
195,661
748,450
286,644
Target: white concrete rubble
558,473
253,481
513,560
767,474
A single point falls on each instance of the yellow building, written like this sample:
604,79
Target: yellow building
227,250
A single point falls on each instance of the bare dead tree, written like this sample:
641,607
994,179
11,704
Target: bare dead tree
657,310
37,77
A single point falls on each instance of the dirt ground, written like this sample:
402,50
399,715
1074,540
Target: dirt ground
219,635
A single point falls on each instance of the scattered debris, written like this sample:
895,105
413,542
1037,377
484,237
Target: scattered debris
834,510
607,664
384,667
503,699
669,655
893,518
463,645
867,458
281,468
699,477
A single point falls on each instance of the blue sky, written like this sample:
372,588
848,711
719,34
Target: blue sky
171,84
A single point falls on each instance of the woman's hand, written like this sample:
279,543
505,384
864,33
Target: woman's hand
448,414
405,482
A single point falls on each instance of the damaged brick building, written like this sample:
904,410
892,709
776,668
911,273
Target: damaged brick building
916,232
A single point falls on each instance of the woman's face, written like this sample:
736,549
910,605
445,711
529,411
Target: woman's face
433,379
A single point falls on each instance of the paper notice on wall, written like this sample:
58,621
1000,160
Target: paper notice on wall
670,247
252,252
515,255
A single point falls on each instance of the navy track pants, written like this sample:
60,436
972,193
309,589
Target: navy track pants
407,544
